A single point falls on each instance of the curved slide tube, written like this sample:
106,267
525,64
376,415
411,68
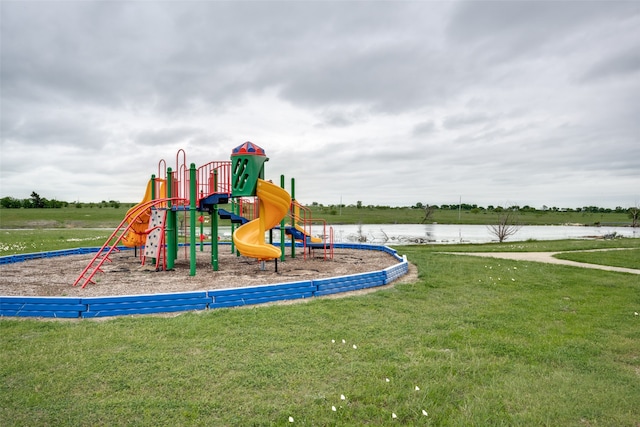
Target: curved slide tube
249,238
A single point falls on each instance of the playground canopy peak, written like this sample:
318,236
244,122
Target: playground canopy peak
248,148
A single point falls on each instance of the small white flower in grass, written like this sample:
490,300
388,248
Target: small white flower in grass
425,413
393,415
342,397
387,379
635,313
344,342
417,388
333,341
290,419
333,408
513,280
355,346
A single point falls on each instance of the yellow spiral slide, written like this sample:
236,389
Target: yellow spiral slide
274,203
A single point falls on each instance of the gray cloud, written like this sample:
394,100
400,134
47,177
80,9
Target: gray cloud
508,29
625,64
388,103
424,128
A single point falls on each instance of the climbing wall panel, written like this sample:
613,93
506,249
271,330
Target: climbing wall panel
154,238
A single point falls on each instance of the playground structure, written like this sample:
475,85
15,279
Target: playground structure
179,300
258,206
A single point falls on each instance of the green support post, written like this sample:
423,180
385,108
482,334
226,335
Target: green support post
192,219
201,233
282,226
214,226
234,210
293,218
171,251
214,238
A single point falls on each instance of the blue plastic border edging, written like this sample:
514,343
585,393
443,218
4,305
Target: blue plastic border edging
90,307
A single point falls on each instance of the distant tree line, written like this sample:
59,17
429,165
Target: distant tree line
526,208
632,212
38,202
474,208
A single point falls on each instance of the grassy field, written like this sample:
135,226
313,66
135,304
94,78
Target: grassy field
473,342
627,258
36,240
352,215
69,217
109,217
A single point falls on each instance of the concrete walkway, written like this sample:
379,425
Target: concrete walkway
547,257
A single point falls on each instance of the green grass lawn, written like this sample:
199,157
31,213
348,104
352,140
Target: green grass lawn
405,215
36,240
69,217
109,217
626,258
473,342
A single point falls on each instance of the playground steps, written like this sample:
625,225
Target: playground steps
297,234
308,242
95,265
236,219
207,203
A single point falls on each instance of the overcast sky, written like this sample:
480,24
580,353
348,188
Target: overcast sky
388,103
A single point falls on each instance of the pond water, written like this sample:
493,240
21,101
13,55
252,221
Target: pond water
402,234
